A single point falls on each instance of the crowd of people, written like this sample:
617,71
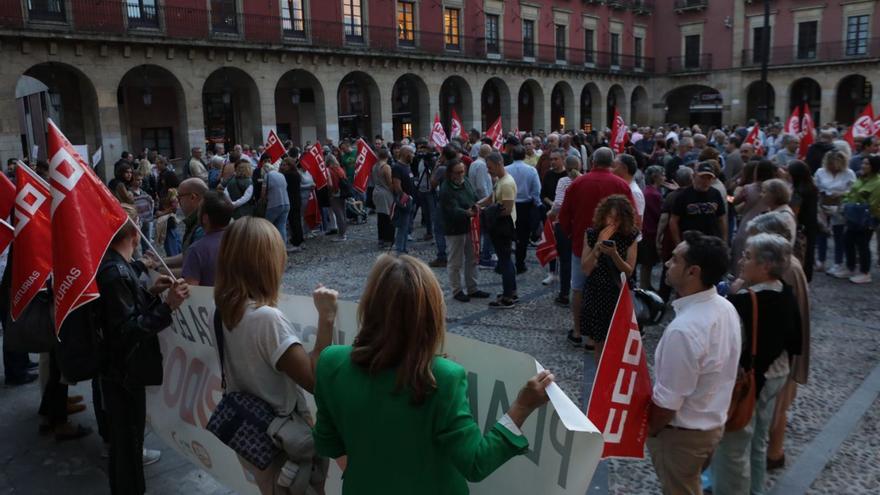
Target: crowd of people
723,230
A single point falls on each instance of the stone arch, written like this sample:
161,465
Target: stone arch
455,94
359,106
640,107
530,101
591,107
806,90
231,107
70,100
495,102
152,111
300,109
694,104
561,106
852,94
616,98
410,107
755,106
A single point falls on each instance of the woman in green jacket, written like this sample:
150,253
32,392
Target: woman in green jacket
398,410
865,192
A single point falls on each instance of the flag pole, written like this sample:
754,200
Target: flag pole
152,248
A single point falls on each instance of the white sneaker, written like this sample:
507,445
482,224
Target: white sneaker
839,271
820,266
551,278
861,278
151,456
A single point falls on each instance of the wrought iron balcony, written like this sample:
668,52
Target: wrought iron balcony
686,5
694,63
833,51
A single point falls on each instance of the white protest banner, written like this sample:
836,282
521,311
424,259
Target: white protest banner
96,158
563,453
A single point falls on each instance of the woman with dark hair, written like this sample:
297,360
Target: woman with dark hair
391,396
805,204
383,198
609,250
749,205
123,175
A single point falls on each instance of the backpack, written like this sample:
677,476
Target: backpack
80,350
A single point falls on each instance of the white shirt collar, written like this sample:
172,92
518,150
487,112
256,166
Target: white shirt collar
702,296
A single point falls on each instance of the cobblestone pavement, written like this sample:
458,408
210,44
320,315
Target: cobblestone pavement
846,352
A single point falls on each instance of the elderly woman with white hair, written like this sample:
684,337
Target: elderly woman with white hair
796,278
739,464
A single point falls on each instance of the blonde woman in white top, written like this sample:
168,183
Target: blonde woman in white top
833,180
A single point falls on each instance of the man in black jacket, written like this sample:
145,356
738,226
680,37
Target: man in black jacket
131,316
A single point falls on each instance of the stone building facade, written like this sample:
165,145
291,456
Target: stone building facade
173,74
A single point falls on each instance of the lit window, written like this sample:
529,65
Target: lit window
405,23
451,29
352,19
293,18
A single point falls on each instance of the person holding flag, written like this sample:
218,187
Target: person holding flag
457,207
695,366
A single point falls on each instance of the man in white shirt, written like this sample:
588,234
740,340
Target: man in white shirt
625,167
695,366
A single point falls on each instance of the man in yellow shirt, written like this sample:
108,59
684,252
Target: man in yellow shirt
502,232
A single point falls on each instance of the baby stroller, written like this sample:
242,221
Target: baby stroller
355,212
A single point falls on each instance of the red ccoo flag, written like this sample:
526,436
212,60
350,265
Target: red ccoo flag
621,391
793,124
313,211
85,217
457,127
438,135
7,234
753,138
496,134
618,133
32,263
807,133
475,235
862,127
366,158
547,247
313,161
274,147
7,194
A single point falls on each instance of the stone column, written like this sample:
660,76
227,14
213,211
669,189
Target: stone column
10,133
110,138
827,110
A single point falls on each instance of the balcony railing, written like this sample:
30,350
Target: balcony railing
700,63
834,51
685,5
120,18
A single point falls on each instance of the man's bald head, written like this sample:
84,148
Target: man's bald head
190,194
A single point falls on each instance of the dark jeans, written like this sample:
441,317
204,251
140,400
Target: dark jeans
563,247
54,403
100,413
15,365
822,244
858,241
428,204
524,225
403,223
505,263
385,229
126,414
295,219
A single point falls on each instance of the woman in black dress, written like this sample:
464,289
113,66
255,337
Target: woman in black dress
610,249
805,203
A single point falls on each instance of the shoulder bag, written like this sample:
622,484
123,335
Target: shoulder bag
241,420
858,216
742,401
34,330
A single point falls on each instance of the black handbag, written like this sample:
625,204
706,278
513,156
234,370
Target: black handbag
34,330
241,420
